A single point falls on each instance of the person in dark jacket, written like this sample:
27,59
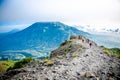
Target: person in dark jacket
83,39
90,44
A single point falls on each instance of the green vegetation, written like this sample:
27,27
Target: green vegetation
65,53
69,49
4,65
87,40
73,37
116,51
3,68
48,62
107,51
79,37
59,57
75,55
10,64
113,51
80,49
21,63
66,42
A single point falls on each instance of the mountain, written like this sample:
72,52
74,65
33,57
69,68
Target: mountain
13,31
73,60
7,33
40,36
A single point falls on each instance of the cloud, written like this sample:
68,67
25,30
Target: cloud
93,12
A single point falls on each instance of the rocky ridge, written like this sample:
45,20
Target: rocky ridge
73,60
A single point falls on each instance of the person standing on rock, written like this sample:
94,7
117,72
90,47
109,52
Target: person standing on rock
90,44
83,39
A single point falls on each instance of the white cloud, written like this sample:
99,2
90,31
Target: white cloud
98,13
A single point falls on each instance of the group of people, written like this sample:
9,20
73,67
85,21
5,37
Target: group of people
89,42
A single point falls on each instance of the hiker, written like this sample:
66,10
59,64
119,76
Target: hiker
83,39
90,44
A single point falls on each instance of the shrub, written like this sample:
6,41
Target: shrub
69,49
87,40
73,37
107,51
48,62
21,63
80,49
79,37
75,55
4,65
66,42
3,68
59,57
116,51
113,51
65,53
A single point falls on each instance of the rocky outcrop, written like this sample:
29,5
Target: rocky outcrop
73,60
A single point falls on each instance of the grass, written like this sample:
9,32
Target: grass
116,51
66,42
75,55
59,57
3,68
69,49
48,62
75,37
112,51
5,65
10,64
107,51
80,49
65,53
21,63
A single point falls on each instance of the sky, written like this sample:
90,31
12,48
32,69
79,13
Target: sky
95,13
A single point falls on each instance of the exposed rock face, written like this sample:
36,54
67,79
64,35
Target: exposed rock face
73,60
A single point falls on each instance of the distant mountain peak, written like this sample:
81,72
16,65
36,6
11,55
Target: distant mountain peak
14,30
40,36
45,24
48,23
